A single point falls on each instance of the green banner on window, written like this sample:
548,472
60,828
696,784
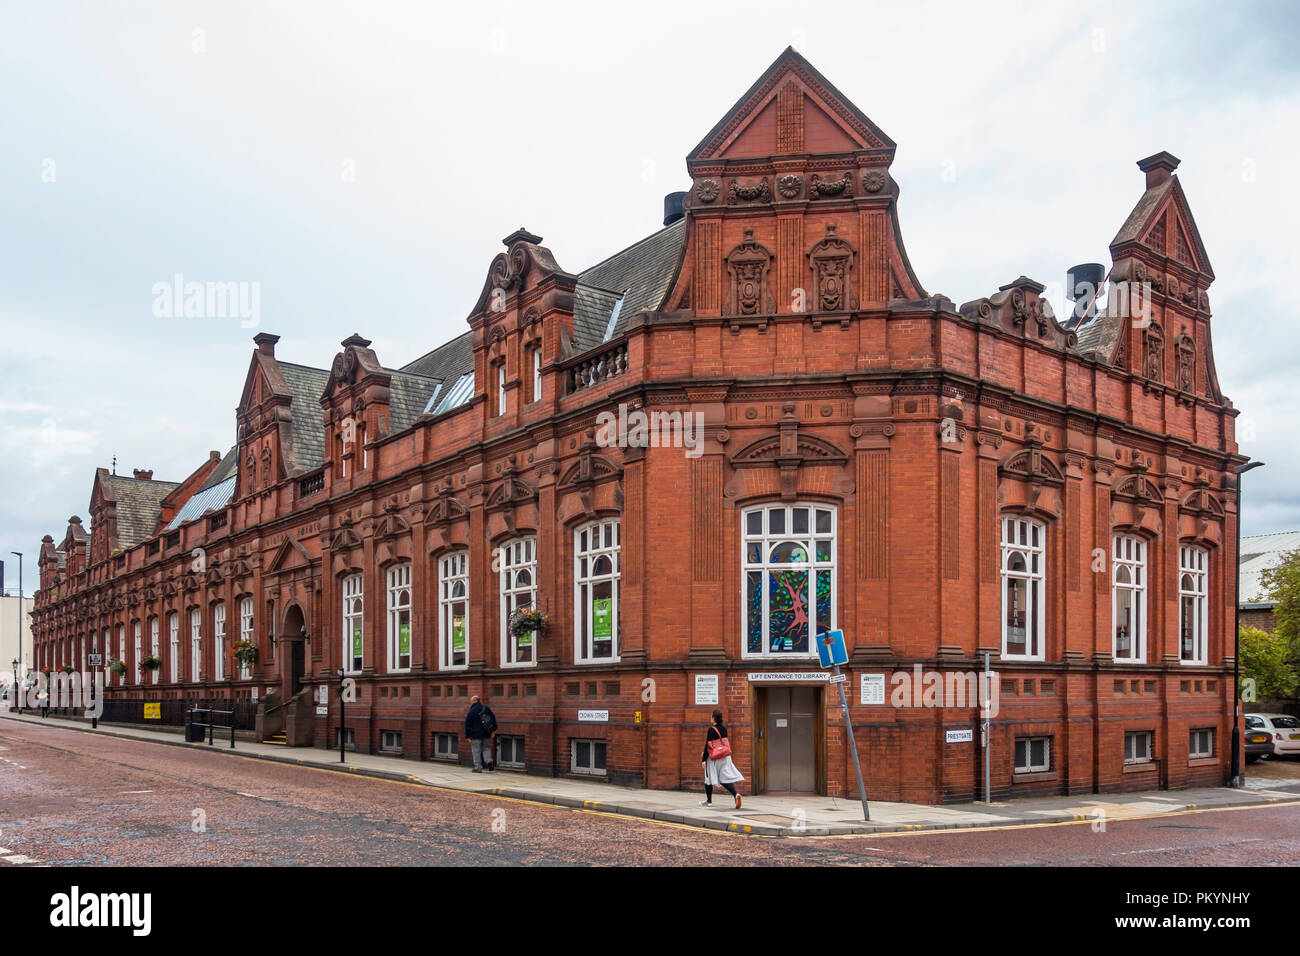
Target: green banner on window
457,635
356,638
524,640
602,612
404,637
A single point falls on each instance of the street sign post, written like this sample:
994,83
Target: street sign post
832,653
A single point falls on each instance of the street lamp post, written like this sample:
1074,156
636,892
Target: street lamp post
20,629
18,688
1236,637
343,758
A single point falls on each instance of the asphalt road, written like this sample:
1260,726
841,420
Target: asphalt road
71,798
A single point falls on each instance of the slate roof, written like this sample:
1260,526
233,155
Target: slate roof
640,275
408,394
227,469
138,506
306,385
447,362
1260,551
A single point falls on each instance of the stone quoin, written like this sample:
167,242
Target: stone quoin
939,481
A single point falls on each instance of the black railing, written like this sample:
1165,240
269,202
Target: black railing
311,484
209,723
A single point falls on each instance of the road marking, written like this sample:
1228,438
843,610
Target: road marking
137,791
18,858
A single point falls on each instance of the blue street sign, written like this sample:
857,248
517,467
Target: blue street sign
831,650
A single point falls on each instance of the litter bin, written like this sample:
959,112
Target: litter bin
193,732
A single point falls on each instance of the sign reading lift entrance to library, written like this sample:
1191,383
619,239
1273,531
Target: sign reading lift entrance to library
832,653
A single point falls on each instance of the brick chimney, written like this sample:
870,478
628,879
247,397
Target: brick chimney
1158,167
142,474
266,342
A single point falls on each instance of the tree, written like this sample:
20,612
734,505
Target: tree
1282,585
1265,659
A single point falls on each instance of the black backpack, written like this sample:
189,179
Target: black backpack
487,720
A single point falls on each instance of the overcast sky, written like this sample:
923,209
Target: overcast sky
363,161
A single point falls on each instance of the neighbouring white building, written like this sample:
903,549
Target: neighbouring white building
11,612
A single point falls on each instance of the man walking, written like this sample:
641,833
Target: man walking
480,726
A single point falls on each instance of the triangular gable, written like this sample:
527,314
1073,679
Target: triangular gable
791,108
291,554
1162,222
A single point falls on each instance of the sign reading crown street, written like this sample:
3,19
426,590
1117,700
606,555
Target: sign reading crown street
831,650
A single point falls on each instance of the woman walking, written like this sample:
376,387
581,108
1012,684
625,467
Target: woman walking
718,768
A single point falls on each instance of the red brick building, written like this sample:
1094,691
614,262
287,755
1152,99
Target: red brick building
940,482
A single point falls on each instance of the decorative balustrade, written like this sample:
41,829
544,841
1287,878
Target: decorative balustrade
598,368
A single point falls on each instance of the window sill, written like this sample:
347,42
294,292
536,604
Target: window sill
1033,776
1210,761
1146,766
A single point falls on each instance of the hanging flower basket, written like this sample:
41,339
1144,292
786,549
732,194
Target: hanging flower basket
151,663
245,652
116,666
46,670
525,620
65,669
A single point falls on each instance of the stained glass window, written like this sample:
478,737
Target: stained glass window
789,577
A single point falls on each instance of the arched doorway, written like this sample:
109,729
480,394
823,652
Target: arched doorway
293,643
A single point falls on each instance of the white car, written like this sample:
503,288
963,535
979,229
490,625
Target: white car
1284,729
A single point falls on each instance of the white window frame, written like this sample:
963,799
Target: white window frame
154,649
585,582
1029,766
767,540
537,373
1018,534
219,641
354,617
121,652
135,637
398,578
1194,752
518,557
449,752
517,751
1129,556
173,646
395,736
196,642
1193,564
246,633
501,387
1131,740
591,771
453,571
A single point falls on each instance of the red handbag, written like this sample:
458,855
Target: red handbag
719,748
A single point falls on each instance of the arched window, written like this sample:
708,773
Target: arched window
173,646
135,656
154,649
1023,588
353,609
1129,599
453,610
219,641
196,643
788,577
1193,612
246,634
595,591
518,590
399,617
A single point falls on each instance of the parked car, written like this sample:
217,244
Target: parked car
1283,728
1259,739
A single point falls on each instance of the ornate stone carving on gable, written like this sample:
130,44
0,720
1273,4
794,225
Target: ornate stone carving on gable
1019,308
755,192
1185,371
817,187
788,451
831,262
1200,515
748,292
1153,353
1036,480
446,508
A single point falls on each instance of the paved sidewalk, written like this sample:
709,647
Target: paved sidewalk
764,816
